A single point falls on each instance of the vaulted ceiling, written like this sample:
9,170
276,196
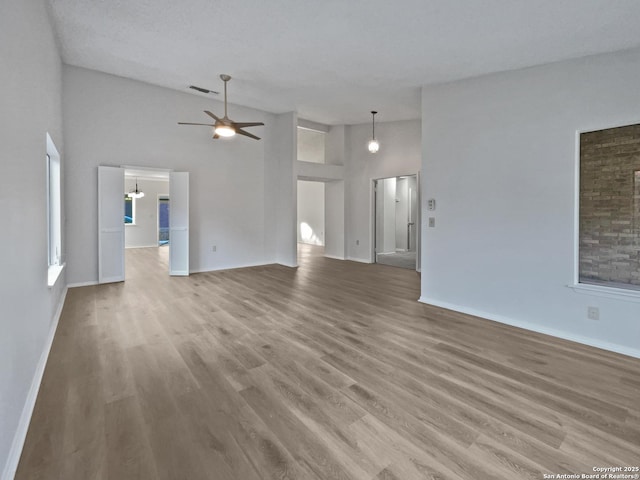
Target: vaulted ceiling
333,61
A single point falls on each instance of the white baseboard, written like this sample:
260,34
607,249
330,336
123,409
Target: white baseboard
248,265
290,265
142,246
82,284
361,260
27,411
592,342
335,257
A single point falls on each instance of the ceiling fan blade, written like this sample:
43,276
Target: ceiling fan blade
203,90
246,134
187,123
247,124
217,119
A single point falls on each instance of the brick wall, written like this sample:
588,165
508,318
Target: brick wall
610,207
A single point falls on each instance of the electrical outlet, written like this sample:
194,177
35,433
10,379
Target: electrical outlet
214,248
593,313
432,222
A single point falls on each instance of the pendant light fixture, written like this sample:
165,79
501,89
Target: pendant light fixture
373,145
136,193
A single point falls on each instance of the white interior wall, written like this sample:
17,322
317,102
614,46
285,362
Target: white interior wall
270,183
388,215
399,154
334,245
311,212
280,158
500,159
310,145
335,145
402,213
137,125
145,231
30,106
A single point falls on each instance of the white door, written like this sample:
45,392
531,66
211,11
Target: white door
179,223
418,225
110,224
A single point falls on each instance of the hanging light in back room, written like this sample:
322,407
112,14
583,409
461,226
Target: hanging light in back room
136,193
373,145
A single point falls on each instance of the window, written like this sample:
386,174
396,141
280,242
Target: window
54,212
163,220
311,145
609,249
129,210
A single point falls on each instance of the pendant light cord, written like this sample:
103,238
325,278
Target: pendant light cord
373,124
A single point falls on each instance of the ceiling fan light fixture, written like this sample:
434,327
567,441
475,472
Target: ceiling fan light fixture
225,127
225,130
373,144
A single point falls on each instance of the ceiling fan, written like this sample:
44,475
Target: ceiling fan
203,90
225,127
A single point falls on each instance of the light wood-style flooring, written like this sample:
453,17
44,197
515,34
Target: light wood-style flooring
329,371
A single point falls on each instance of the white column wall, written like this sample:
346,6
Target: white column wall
334,246
280,156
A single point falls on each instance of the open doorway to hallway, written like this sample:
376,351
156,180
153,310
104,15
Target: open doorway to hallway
311,221
146,238
396,221
122,211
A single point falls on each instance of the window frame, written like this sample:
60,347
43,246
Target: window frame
53,167
631,295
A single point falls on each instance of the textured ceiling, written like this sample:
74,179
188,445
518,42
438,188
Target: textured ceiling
333,61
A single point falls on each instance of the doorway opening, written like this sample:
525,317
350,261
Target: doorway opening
311,212
146,235
127,218
396,219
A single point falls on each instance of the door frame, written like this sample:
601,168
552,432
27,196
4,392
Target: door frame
151,170
372,216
